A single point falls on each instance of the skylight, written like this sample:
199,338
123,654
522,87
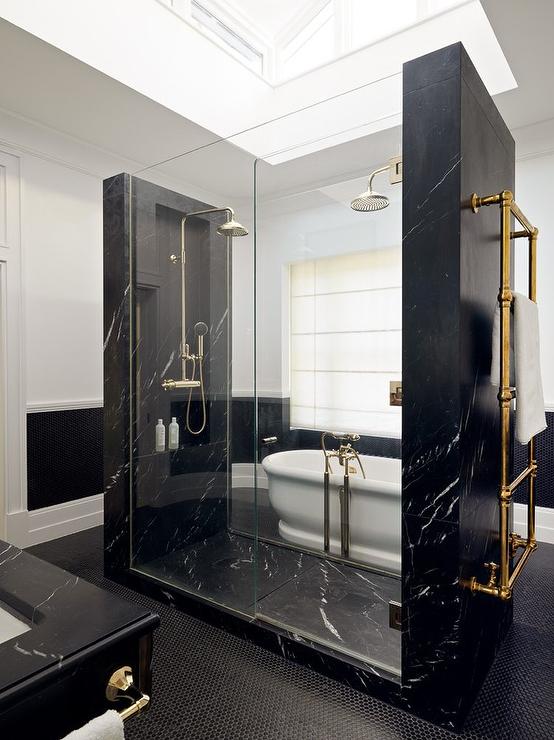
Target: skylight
334,71
281,40
225,35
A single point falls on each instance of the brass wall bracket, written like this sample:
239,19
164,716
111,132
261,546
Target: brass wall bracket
501,578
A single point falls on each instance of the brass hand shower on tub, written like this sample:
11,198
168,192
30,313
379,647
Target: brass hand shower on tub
229,229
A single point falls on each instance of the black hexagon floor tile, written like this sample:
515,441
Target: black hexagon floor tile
211,685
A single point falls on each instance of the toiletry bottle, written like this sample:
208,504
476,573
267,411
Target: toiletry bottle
174,434
160,436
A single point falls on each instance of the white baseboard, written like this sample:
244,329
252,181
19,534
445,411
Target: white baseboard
26,528
544,522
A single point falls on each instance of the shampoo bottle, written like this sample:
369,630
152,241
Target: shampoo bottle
174,434
160,436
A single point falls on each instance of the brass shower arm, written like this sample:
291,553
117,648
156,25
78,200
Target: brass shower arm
386,168
205,212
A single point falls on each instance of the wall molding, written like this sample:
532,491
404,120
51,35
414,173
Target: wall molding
26,528
41,406
544,522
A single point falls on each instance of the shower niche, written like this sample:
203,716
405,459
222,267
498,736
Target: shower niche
319,498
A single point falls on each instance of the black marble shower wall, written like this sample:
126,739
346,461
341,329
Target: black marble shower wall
454,143
162,501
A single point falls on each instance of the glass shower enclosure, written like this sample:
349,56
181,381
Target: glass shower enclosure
264,340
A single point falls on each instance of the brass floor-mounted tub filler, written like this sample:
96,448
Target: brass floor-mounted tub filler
344,454
501,581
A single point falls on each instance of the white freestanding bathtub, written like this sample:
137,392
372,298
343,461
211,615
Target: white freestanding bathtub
295,480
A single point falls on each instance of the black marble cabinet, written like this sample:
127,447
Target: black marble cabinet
454,143
53,675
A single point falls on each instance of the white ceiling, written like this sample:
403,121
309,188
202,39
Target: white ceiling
525,31
39,82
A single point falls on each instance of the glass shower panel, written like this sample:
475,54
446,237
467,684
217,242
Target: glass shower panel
185,245
252,345
328,346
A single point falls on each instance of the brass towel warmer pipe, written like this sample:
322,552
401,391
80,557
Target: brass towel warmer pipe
501,582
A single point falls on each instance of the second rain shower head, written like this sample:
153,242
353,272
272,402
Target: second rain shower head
370,200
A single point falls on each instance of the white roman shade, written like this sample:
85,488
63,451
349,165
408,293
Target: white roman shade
346,342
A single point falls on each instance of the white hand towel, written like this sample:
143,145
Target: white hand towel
108,726
530,416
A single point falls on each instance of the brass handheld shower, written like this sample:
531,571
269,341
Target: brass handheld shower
200,329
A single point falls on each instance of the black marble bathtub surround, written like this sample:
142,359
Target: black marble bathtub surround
454,143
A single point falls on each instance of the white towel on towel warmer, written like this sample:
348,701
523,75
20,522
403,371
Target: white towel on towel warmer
530,416
109,726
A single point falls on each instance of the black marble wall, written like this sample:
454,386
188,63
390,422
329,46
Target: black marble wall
454,143
164,500
64,456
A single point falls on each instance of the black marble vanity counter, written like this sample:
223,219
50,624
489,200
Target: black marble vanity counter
73,629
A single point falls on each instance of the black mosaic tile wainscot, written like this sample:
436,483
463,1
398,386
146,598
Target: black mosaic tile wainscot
64,455
545,461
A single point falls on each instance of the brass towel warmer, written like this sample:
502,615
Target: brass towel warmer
501,582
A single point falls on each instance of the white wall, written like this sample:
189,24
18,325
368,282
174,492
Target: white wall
60,329
62,228
534,190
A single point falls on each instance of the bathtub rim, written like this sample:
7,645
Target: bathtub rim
357,481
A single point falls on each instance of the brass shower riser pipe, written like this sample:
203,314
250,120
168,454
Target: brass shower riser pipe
501,582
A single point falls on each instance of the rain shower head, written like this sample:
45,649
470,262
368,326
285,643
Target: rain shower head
232,228
369,200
